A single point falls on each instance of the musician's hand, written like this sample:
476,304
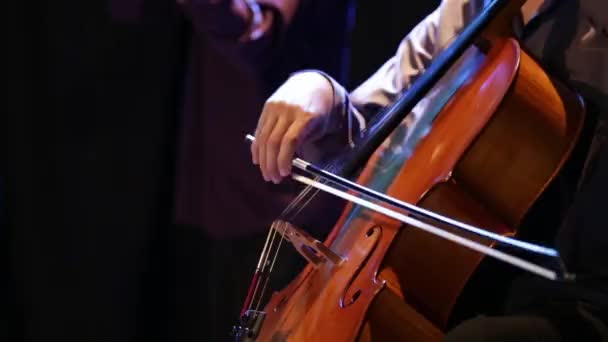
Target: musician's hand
293,116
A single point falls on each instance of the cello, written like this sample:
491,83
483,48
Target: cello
483,158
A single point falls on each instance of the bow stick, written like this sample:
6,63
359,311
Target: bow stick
383,198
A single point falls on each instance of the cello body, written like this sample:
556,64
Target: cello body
492,150
484,157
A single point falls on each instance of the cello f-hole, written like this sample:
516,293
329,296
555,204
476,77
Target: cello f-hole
370,232
354,298
367,243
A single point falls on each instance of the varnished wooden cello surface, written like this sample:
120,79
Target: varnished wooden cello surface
491,152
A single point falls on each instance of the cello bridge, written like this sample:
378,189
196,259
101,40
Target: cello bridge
310,248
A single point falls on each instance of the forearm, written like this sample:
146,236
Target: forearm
344,117
351,111
413,57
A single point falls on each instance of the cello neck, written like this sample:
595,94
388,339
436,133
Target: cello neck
495,21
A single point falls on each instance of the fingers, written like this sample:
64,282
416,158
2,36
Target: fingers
279,130
275,120
262,121
265,127
289,145
269,164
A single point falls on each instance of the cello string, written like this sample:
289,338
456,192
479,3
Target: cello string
502,256
273,251
253,286
263,274
267,279
292,210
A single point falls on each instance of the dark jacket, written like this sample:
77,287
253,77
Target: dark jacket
571,41
219,190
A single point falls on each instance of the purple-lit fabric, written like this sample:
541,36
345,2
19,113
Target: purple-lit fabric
123,10
218,188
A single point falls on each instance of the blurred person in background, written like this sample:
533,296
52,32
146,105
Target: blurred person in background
110,96
241,51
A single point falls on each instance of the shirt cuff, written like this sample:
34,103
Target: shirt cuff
344,117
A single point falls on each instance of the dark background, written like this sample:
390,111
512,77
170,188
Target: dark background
380,26
86,172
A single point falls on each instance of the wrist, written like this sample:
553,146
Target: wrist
339,111
320,85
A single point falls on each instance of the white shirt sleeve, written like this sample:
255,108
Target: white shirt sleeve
413,57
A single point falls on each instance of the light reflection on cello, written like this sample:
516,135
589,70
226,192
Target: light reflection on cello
376,279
